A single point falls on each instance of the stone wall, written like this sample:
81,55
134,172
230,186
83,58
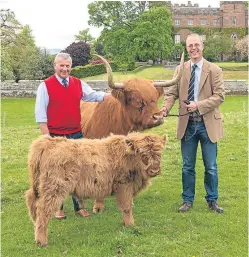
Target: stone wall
28,88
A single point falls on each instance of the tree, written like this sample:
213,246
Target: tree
148,38
151,36
108,14
25,55
85,36
242,47
10,27
80,53
218,45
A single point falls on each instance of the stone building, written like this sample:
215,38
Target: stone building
230,14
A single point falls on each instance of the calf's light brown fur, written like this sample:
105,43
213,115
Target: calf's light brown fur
89,169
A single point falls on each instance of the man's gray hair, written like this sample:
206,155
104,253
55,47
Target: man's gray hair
64,56
195,35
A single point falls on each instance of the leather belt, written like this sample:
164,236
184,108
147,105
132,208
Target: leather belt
196,118
63,135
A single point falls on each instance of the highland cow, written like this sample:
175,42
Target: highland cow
87,168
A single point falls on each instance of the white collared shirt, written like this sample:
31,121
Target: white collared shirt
198,71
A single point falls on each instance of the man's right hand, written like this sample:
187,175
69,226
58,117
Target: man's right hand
164,111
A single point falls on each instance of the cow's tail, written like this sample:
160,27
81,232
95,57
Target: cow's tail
32,195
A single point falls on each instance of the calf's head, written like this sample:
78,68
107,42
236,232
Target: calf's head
147,150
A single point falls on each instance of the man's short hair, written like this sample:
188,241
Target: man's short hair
64,56
194,35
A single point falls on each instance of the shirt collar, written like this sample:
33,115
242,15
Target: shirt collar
199,64
60,79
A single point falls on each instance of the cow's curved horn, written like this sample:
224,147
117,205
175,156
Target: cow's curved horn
168,83
111,83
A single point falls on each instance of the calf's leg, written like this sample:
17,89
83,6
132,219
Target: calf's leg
124,202
98,205
46,207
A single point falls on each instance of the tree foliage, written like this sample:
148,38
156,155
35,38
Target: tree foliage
218,45
108,14
80,53
10,27
85,36
132,31
21,58
242,47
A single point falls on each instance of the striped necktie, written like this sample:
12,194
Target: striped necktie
64,82
192,84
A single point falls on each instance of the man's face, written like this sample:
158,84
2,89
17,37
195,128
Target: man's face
62,67
194,48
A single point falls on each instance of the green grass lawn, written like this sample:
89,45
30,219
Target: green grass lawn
236,71
159,231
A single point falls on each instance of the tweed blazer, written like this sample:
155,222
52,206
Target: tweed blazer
211,95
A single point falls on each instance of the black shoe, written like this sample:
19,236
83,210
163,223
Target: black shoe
215,207
185,207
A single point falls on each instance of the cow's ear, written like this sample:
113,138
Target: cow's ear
133,98
129,145
160,91
119,94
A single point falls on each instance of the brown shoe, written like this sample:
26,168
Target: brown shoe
60,215
83,213
215,207
185,207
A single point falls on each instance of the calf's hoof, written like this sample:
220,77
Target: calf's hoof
42,243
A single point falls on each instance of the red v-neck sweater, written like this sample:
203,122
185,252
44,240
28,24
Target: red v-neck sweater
63,111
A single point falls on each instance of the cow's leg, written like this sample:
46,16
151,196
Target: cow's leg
99,205
124,202
46,207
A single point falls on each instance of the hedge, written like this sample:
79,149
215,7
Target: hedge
91,70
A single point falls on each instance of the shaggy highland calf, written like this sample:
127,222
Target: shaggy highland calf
89,169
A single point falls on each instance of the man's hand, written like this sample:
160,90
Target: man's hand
164,111
107,96
192,107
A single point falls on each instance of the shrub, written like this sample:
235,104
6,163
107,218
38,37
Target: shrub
91,70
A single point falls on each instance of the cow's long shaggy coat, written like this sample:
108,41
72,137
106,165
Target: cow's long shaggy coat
89,168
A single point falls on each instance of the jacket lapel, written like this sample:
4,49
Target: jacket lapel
204,74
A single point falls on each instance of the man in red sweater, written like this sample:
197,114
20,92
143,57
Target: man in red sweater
57,108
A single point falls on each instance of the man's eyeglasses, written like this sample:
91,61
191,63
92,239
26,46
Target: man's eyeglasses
192,46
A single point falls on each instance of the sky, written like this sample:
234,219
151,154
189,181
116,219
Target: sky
55,23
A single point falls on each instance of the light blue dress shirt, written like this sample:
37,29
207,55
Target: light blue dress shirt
42,98
198,71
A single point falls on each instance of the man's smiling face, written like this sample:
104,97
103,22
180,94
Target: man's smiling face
194,48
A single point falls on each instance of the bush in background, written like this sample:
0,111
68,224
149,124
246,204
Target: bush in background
91,70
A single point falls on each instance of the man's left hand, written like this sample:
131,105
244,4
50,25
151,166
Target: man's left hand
107,96
192,107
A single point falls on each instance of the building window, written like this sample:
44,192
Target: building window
234,20
203,37
190,22
203,22
177,22
234,36
177,39
215,22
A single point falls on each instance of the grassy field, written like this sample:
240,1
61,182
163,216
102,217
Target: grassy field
159,231
232,71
